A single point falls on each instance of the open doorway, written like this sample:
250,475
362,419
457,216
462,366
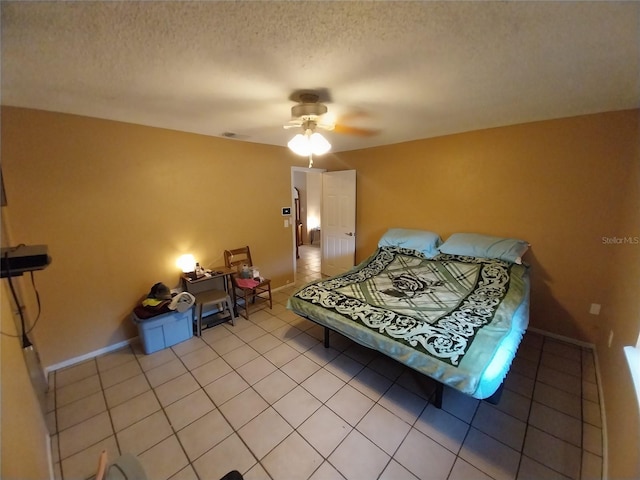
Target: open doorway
306,191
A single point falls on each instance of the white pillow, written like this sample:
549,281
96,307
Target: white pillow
420,240
485,246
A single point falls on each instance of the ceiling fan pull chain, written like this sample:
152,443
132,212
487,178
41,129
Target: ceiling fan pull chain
310,160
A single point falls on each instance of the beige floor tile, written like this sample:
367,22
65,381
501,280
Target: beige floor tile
144,434
204,434
274,386
562,349
292,458
126,390
257,472
78,437
72,392
242,408
424,457
358,457
80,410
120,372
189,346
383,428
395,471
75,373
592,439
324,430
323,385
565,365
558,424
226,344
210,371
326,472
505,428
568,403
350,404
344,367
302,342
264,432
134,410
321,355
176,389
251,333
490,456
281,355
560,380
168,371
198,357
147,362
591,466
591,413
286,332
230,454
256,369
265,343
442,427
297,406
372,384
552,452
465,471
225,388
272,323
402,403
164,460
514,404
300,368
187,473
532,470
188,409
241,355
519,384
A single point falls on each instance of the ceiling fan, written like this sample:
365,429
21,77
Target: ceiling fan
307,115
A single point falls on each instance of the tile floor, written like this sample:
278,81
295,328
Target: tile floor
266,398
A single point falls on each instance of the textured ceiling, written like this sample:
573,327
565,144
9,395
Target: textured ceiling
408,69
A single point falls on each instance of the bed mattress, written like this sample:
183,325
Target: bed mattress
456,319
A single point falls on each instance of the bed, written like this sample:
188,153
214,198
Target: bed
454,311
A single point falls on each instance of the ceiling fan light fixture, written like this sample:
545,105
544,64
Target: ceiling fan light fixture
309,144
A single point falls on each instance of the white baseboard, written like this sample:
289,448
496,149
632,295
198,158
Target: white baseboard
87,356
579,343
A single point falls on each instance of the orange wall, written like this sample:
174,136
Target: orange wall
117,204
562,185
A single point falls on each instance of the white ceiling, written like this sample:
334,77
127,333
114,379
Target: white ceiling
408,69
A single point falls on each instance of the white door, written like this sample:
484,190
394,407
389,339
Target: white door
338,221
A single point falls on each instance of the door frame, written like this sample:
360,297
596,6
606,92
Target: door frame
293,231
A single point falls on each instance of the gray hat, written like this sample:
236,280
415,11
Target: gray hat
160,291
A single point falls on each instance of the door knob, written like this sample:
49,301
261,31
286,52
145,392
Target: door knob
351,234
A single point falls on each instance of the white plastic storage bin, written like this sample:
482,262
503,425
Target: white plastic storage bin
163,331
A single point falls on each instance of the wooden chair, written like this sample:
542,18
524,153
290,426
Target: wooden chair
247,290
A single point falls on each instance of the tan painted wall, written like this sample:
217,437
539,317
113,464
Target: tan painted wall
24,435
118,203
562,185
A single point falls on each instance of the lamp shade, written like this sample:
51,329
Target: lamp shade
186,263
305,145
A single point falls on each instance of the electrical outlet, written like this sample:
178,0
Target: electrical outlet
610,338
595,309
286,223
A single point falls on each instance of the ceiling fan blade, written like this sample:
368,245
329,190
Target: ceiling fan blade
357,131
